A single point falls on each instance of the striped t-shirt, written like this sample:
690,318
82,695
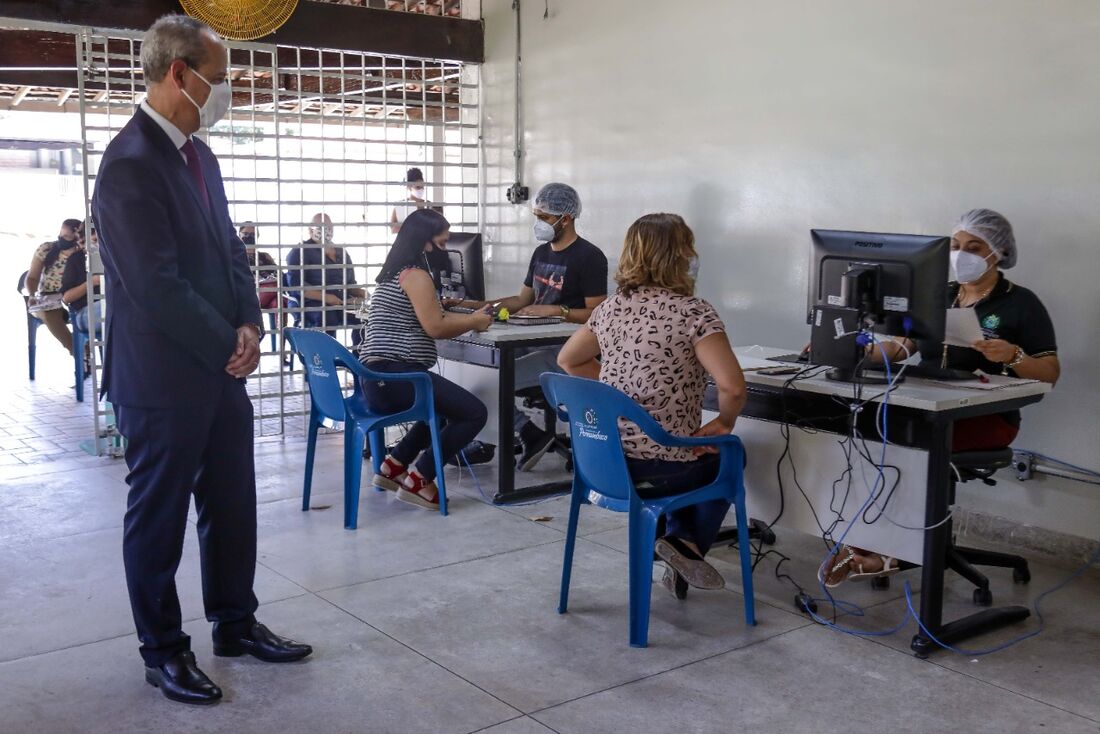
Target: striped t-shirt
392,331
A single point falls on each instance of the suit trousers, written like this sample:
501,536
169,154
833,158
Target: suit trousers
203,449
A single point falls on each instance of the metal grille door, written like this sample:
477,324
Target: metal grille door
312,133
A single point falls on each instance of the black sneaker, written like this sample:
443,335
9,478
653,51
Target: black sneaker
475,452
535,445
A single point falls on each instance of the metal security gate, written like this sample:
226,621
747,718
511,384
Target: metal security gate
310,132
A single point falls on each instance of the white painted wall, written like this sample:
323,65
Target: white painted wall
760,120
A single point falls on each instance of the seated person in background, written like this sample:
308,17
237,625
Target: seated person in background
567,277
44,279
1019,341
311,268
405,320
666,376
74,287
267,272
414,182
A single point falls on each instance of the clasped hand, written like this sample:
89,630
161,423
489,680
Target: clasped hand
246,356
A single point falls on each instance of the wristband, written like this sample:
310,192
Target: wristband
1016,359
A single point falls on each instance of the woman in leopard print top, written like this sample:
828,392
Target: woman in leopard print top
658,342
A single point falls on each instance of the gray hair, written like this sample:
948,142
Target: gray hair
172,37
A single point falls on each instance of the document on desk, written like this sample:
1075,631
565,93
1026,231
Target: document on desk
963,328
988,382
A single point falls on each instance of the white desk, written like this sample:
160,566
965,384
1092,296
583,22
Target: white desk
920,417
472,359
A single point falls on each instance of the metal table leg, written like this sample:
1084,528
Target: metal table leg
936,542
506,409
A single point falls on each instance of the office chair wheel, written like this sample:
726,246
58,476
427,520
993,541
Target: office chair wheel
1021,575
569,465
880,583
983,597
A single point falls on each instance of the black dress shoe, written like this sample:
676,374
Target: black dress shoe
181,680
262,644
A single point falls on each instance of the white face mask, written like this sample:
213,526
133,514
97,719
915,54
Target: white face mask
693,268
966,267
546,232
217,102
418,192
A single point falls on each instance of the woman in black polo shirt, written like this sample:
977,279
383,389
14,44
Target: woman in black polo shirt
1019,341
1019,336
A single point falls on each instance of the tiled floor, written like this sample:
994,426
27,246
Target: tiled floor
431,624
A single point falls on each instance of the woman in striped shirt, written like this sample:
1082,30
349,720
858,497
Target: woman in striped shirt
404,321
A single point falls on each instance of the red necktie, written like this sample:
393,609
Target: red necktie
194,166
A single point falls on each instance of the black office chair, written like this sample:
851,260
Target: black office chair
981,465
969,466
535,400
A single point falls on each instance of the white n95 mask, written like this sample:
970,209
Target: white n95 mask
966,267
545,232
217,102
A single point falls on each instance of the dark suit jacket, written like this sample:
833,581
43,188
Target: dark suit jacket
177,277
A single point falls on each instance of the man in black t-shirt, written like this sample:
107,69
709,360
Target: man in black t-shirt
567,277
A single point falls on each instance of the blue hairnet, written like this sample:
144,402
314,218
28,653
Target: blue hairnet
558,199
994,229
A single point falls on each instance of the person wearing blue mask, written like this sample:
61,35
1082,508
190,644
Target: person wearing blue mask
567,277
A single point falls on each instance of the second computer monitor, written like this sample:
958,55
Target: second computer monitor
467,262
873,282
898,280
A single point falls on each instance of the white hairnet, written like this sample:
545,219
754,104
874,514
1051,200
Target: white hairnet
558,199
994,229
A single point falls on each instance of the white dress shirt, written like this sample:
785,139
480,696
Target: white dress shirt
178,138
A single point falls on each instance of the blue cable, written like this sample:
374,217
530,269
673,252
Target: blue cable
910,611
849,607
1028,635
470,469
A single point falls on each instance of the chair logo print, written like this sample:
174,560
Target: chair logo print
317,369
590,428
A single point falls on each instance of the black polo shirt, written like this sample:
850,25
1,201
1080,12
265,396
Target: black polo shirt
1010,312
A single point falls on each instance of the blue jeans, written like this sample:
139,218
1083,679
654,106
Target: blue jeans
659,478
81,319
461,415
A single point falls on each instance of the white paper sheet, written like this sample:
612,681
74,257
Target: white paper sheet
963,328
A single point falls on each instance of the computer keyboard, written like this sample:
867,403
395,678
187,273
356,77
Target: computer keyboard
800,358
928,372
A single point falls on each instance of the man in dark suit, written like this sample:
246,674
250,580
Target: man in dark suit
183,330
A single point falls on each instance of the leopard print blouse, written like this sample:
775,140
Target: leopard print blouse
648,344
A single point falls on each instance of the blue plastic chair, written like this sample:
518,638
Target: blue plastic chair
80,338
32,328
322,356
600,477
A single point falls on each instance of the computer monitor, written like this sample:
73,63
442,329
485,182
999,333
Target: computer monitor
458,271
894,284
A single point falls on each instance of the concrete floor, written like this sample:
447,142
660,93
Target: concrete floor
430,624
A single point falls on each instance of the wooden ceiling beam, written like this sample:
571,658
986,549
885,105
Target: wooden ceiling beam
327,25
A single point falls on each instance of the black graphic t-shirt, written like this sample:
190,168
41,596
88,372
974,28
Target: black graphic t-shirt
1010,312
566,278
